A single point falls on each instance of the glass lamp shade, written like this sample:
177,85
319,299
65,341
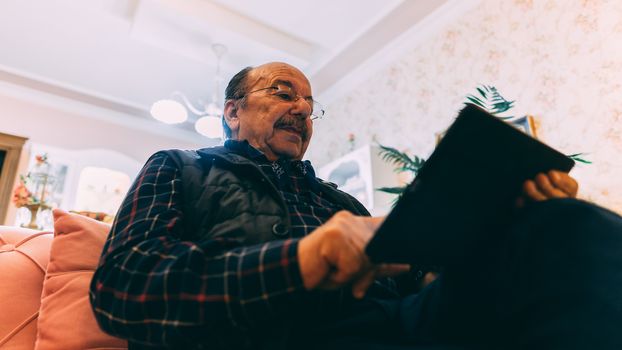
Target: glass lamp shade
209,126
169,112
213,110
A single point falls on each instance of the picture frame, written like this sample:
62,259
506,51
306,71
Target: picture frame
525,124
360,173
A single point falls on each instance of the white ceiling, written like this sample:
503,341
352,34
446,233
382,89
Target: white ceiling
119,56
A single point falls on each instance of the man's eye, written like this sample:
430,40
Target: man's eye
285,96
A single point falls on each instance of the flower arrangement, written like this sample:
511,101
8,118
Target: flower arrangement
351,141
23,195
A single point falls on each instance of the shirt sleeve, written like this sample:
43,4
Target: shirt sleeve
153,288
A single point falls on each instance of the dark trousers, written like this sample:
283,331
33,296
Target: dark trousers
552,281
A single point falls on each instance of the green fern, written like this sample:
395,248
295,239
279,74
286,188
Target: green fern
403,162
489,98
392,190
577,157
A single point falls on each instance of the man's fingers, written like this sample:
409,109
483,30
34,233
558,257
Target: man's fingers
390,270
349,265
554,184
531,191
565,182
333,255
545,187
360,286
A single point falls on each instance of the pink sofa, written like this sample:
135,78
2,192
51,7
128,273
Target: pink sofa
44,279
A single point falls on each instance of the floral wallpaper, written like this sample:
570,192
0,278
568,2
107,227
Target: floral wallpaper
561,60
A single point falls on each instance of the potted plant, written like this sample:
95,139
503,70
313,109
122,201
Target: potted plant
486,97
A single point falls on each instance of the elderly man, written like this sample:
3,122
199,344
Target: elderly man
242,247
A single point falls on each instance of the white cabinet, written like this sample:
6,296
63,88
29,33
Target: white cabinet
360,173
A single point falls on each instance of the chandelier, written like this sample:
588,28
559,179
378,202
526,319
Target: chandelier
208,116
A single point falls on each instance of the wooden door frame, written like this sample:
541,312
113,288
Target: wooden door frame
13,146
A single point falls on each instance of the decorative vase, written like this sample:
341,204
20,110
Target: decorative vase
34,210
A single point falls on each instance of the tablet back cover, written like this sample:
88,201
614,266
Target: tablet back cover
465,193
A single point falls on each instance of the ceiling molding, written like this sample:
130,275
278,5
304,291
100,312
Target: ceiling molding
89,104
74,93
396,22
218,17
402,30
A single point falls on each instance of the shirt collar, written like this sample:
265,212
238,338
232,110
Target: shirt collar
245,149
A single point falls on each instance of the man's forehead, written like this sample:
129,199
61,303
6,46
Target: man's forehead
280,73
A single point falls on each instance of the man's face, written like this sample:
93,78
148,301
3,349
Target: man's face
277,126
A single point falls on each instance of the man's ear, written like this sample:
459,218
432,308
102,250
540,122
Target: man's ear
231,117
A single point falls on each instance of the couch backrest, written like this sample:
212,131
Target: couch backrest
24,256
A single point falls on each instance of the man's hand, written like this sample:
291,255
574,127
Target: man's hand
554,184
333,255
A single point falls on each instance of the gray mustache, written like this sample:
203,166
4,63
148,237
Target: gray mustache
292,123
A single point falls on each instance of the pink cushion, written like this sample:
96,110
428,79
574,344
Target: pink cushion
66,320
23,259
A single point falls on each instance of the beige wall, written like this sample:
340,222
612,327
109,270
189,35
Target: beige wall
561,60
46,126
52,127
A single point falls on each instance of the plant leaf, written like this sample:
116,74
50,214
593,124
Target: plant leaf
400,159
392,190
476,101
492,101
481,92
577,157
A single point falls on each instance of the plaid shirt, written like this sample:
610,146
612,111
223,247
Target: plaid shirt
297,184
153,288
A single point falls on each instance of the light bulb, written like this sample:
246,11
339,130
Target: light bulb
209,126
169,112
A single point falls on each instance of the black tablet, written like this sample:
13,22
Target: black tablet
464,195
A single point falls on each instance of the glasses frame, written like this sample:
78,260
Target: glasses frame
316,113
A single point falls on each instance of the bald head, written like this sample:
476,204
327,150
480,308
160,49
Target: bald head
261,73
243,81
270,107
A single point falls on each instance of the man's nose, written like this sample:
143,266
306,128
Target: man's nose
301,108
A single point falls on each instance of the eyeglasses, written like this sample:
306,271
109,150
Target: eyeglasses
287,94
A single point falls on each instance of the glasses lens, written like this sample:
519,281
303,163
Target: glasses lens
286,93
318,111
283,92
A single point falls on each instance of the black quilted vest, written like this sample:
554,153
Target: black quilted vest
227,195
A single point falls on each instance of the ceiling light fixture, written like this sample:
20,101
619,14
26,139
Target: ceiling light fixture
172,111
